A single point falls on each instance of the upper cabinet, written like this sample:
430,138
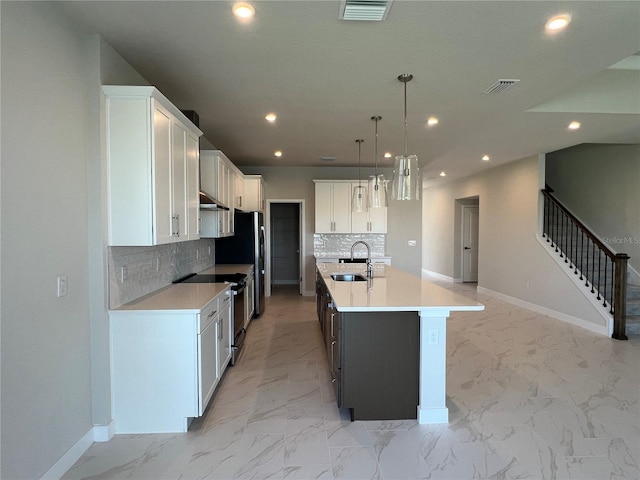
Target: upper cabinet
373,220
217,180
333,207
152,153
333,210
254,196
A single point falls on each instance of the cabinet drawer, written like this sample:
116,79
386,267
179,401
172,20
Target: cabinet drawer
209,313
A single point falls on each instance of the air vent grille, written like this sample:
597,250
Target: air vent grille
501,85
364,10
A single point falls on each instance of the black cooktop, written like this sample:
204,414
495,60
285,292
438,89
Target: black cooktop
238,278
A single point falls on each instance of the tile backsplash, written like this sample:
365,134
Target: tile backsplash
138,271
339,245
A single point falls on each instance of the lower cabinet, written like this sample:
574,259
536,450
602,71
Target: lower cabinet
166,365
373,359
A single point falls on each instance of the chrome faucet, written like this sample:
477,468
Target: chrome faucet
369,263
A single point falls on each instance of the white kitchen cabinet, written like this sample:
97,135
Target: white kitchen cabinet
249,299
333,206
238,190
194,224
217,180
254,193
166,364
149,144
373,220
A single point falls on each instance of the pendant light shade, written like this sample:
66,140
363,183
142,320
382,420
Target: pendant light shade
407,184
359,197
377,184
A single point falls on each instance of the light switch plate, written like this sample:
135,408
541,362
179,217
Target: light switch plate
412,243
62,285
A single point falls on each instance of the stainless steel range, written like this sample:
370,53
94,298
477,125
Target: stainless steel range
238,284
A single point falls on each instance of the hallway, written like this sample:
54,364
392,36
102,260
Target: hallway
528,396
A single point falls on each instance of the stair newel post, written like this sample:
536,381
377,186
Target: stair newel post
620,296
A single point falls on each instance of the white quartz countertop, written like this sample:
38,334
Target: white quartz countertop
228,268
184,297
389,290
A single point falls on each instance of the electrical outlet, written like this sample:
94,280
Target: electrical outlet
432,336
123,274
412,243
62,285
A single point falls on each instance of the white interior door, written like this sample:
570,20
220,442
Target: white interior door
470,218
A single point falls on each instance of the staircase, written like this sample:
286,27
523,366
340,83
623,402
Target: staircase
633,309
604,272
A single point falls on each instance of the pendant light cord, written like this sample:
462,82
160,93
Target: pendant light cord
404,78
359,141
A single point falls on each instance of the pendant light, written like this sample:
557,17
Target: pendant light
359,199
377,183
406,174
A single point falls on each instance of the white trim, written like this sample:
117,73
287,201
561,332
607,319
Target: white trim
104,433
602,330
68,459
433,415
439,276
303,248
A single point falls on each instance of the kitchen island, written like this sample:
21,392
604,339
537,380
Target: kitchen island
384,335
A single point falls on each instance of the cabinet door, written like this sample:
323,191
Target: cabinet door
324,208
225,334
209,173
359,220
179,180
238,191
378,220
208,371
342,207
163,209
193,183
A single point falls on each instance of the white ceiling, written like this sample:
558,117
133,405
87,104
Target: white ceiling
325,77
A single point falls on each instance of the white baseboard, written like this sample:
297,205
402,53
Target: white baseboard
607,318
98,433
104,433
601,329
437,276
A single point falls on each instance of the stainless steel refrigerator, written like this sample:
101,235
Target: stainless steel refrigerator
246,246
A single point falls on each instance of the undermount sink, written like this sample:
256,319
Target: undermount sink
348,277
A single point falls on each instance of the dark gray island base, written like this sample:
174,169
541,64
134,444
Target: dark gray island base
373,358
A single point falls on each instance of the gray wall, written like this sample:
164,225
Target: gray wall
297,183
511,260
600,184
46,359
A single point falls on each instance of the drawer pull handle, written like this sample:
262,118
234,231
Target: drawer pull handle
212,314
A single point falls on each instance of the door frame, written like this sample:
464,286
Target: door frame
458,234
301,230
465,231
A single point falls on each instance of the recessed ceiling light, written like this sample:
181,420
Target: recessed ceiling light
432,121
443,174
388,155
243,11
278,153
574,125
557,23
270,117
486,158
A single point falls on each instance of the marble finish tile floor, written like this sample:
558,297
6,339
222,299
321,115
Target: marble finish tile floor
529,397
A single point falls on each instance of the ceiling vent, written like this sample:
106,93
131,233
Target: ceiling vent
364,10
501,85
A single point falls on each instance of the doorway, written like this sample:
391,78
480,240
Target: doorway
285,243
466,239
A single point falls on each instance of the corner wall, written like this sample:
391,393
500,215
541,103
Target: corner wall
46,357
511,261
